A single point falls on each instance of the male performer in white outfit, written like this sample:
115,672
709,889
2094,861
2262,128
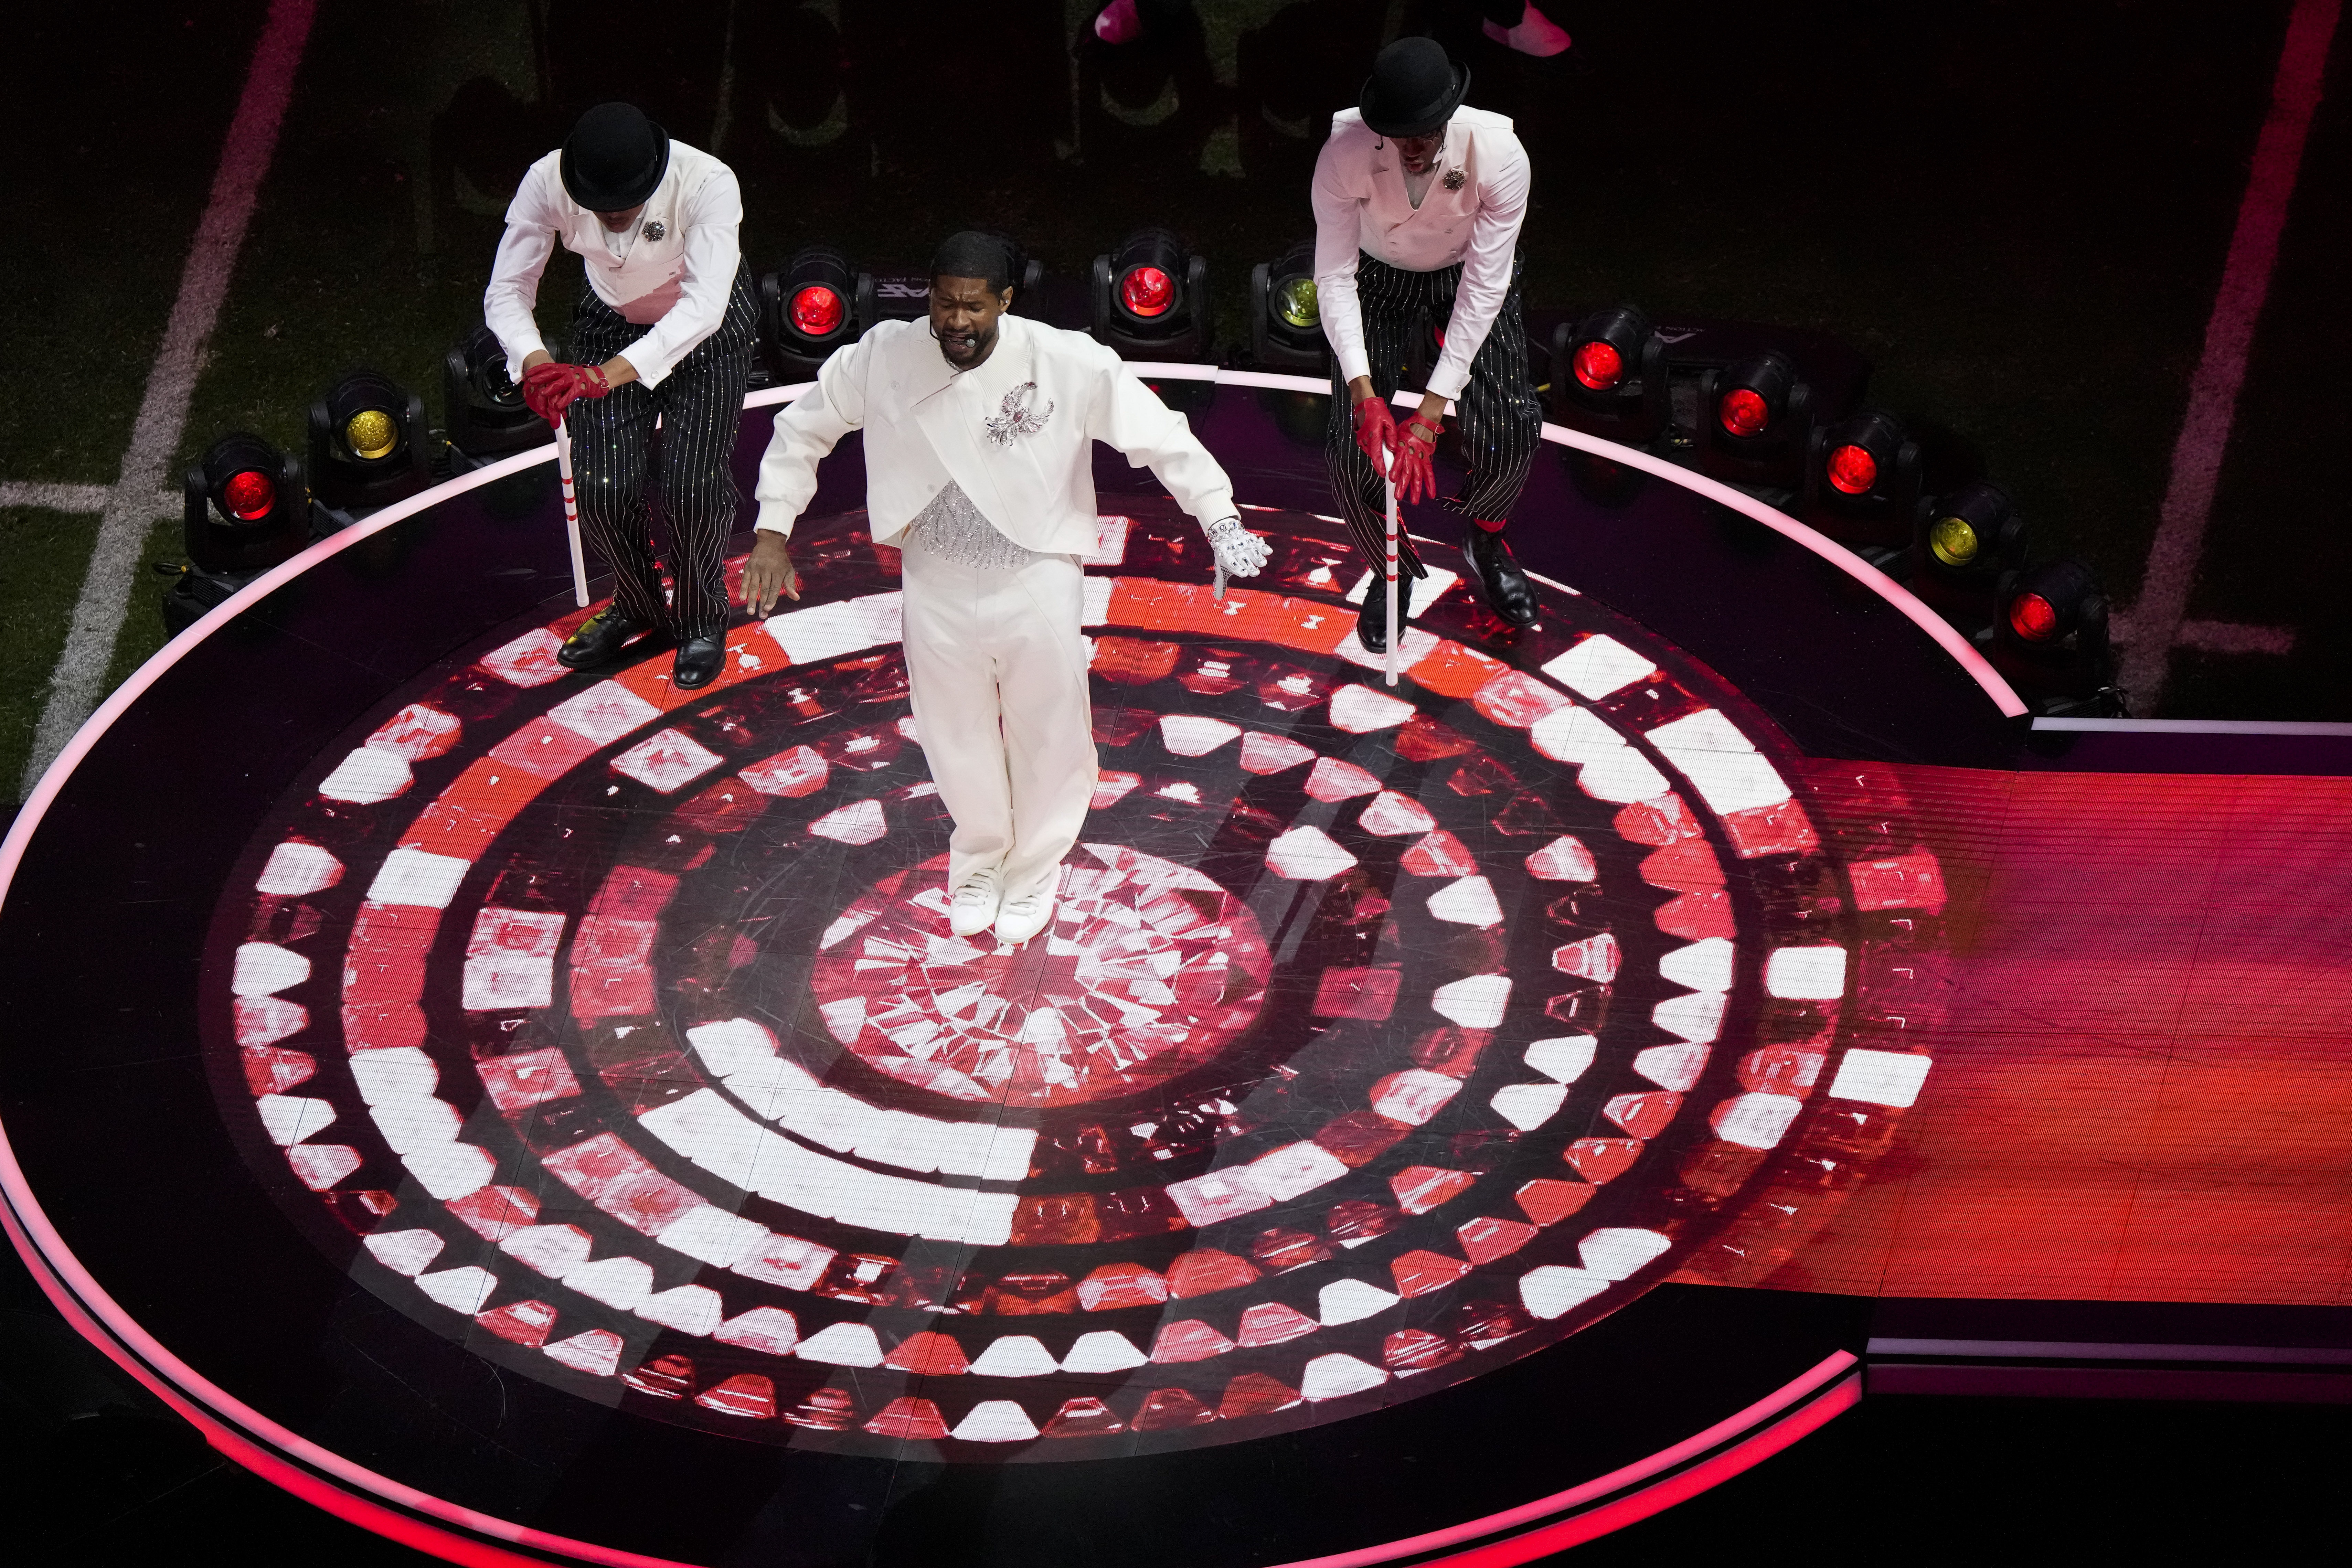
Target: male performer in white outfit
979,431
1418,202
668,313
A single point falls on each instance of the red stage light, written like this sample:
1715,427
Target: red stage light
1147,291
249,495
1599,366
1853,470
816,312
1744,412
2032,617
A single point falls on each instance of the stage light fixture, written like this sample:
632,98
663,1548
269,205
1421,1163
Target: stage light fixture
814,305
2050,638
1609,376
1285,317
244,511
1973,536
488,417
1150,298
367,448
1862,484
1754,420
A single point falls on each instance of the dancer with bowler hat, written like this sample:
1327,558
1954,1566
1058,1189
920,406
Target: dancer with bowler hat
1418,202
665,330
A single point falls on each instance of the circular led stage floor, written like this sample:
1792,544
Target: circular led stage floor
601,1147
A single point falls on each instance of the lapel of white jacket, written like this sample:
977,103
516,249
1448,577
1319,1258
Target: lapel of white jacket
996,481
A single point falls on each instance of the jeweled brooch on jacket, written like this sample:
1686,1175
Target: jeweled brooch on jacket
655,229
1015,416
1454,178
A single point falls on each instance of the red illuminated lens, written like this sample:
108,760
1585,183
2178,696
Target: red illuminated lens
1147,291
1599,366
816,312
2032,617
1744,412
248,495
1853,470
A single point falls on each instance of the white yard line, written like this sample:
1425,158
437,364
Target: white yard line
2229,338
55,498
2210,637
80,676
92,499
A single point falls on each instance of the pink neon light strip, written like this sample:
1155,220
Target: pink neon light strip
1764,1409
1666,1493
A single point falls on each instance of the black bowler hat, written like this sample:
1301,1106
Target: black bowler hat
1413,89
614,158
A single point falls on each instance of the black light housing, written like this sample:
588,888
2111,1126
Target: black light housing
817,304
367,448
1755,420
488,417
2050,638
1609,376
246,511
1285,318
1971,537
1150,298
1861,481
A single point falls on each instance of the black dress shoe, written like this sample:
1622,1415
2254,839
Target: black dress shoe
1372,620
698,662
1498,576
598,641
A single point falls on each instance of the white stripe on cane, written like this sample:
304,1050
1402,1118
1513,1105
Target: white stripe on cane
1388,658
571,513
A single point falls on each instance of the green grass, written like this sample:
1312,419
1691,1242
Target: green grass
143,622
42,557
2278,551
126,108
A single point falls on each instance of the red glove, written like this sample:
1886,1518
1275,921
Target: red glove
1376,431
548,389
1411,473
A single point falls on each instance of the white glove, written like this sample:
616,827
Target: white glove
1240,552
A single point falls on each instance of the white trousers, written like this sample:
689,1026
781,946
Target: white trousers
996,668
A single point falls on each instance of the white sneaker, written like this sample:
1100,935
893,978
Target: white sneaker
1025,917
1536,34
973,908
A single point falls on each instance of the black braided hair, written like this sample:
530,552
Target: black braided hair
981,253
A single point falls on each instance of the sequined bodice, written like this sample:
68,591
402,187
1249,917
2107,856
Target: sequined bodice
952,529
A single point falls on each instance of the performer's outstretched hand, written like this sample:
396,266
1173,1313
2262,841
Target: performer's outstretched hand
1413,478
769,574
1239,551
1376,431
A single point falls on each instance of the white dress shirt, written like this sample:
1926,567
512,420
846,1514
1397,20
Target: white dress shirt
1016,434
1361,203
675,285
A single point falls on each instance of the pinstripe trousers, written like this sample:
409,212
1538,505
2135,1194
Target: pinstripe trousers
1498,416
700,402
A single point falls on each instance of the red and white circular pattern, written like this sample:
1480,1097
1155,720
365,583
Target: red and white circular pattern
1385,1035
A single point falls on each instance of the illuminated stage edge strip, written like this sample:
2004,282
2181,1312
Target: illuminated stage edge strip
291,1462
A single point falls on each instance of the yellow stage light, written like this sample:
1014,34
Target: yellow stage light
1295,301
371,433
1953,540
